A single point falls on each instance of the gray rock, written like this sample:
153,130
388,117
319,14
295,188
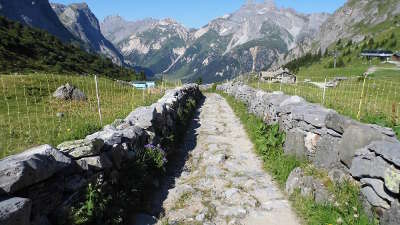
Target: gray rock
292,100
387,150
326,155
307,186
392,215
367,165
30,167
294,144
142,117
373,198
321,194
294,180
378,187
337,176
110,137
81,148
69,92
96,163
338,122
15,211
354,138
74,183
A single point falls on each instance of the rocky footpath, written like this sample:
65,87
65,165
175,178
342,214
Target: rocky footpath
223,181
344,147
38,184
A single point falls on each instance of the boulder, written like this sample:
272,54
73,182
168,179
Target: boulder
378,187
390,151
96,163
30,167
367,165
326,155
110,137
74,183
337,176
338,122
354,138
308,186
373,198
294,144
69,92
142,117
15,211
81,148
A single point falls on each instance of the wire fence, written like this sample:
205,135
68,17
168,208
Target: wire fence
362,98
30,115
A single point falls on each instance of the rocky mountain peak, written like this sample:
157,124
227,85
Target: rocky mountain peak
83,24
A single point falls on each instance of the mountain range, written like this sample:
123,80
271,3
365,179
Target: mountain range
253,38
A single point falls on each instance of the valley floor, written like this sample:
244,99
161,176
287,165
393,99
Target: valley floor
222,181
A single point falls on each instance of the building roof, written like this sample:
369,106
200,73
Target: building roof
377,53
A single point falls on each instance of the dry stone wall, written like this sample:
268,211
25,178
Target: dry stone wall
369,153
37,183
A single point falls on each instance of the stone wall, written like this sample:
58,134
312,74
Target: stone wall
369,153
40,181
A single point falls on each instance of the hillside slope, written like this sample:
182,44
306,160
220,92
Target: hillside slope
27,49
37,14
83,24
355,21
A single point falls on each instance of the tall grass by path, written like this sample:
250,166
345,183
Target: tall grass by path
268,142
30,115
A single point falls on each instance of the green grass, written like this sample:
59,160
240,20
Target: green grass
268,143
28,112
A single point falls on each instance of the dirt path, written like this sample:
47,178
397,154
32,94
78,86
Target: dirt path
222,181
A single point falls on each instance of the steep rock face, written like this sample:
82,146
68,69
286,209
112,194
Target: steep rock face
349,20
83,24
154,44
116,29
35,13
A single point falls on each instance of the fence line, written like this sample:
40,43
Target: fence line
30,115
367,99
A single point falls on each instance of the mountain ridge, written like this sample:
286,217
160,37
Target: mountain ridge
83,24
249,39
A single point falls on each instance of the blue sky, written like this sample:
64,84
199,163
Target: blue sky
192,13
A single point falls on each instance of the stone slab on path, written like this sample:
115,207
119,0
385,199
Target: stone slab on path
222,181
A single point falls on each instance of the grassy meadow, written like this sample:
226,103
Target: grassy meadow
30,116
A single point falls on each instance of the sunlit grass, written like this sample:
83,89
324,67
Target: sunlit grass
28,112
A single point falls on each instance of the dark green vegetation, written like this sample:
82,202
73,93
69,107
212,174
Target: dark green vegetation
24,49
111,203
268,141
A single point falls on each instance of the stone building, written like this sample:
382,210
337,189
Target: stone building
278,76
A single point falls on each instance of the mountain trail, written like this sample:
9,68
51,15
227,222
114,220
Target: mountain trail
222,180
